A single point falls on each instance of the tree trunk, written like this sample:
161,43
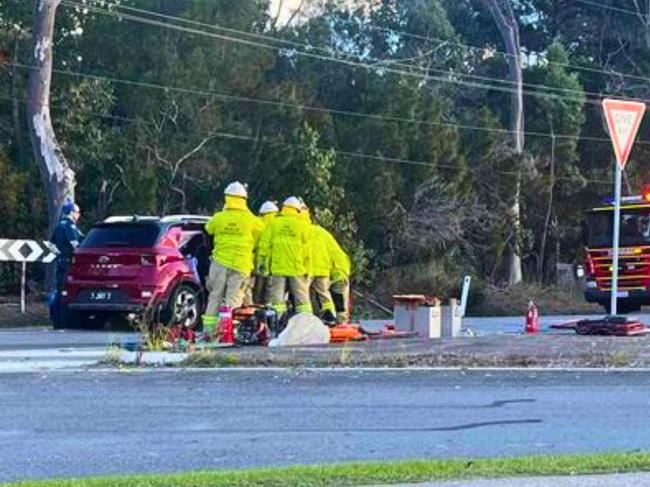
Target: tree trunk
549,211
506,22
58,177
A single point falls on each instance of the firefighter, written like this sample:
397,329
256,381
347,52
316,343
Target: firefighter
66,237
236,232
340,281
321,241
286,243
268,211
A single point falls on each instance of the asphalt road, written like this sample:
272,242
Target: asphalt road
41,338
38,337
90,423
40,348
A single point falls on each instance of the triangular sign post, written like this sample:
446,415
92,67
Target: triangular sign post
623,121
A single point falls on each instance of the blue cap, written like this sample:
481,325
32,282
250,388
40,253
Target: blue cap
68,207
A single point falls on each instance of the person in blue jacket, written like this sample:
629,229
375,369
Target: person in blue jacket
66,237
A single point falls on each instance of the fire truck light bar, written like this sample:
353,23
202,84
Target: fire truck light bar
628,199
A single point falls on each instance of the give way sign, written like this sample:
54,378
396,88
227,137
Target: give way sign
623,120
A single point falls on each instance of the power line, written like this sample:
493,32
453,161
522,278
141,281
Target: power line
248,138
367,66
505,54
269,46
311,108
329,58
395,62
615,9
312,55
439,41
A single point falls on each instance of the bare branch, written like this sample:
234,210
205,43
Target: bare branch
439,221
196,149
154,149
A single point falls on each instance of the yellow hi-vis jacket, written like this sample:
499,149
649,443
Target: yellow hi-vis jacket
287,240
236,232
341,266
262,257
322,243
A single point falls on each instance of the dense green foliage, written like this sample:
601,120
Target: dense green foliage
386,120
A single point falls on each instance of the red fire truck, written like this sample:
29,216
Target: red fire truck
634,254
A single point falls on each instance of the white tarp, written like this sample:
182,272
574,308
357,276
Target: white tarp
302,329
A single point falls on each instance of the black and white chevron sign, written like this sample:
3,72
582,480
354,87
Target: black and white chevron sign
27,251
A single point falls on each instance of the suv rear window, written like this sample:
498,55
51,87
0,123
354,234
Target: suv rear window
121,235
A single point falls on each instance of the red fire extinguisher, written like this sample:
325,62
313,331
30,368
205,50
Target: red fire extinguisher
226,326
532,318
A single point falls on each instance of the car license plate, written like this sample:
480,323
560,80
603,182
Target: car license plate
100,295
622,294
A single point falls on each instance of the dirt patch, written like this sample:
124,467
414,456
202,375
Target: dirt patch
549,299
36,313
489,300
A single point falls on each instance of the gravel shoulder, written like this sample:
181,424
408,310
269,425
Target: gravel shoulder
545,350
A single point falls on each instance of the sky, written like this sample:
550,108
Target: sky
288,7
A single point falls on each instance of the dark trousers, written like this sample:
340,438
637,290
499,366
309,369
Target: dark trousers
62,266
56,304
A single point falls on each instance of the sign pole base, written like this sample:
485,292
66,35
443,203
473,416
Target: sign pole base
23,285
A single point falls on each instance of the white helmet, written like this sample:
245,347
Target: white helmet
293,202
269,207
236,189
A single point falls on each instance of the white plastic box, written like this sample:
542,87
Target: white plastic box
411,314
452,320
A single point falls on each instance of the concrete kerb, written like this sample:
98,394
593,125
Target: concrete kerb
156,359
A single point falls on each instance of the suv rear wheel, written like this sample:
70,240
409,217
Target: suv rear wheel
183,307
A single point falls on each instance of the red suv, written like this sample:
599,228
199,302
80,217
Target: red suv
127,266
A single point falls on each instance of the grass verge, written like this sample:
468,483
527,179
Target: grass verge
355,474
